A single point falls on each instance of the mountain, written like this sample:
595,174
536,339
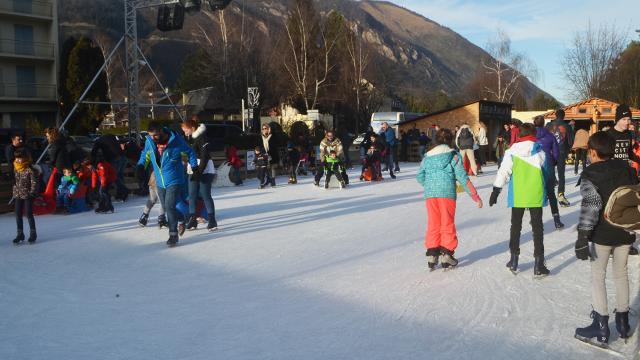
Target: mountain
425,56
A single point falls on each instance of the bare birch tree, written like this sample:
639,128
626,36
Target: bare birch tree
589,58
359,61
506,68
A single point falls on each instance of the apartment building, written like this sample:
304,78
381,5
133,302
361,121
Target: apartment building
28,62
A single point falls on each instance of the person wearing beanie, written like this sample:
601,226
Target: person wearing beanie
624,142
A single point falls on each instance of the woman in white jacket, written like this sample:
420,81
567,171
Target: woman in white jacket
483,144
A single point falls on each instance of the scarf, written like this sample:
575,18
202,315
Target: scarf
21,166
265,142
527,138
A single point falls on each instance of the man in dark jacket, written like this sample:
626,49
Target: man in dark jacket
112,152
549,145
17,143
564,136
268,141
163,149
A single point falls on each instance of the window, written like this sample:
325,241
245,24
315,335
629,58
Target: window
582,110
23,6
24,39
606,110
26,81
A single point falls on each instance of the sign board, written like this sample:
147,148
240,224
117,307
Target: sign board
313,115
251,157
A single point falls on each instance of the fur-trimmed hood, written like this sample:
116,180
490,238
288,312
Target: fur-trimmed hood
201,130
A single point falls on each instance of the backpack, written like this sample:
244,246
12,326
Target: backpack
465,139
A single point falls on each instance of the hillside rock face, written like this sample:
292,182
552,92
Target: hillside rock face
425,55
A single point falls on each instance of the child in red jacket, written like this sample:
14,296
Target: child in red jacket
236,164
104,176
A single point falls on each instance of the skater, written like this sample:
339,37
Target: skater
106,175
333,165
261,163
24,191
236,164
483,144
67,188
599,180
564,136
373,159
501,147
270,146
293,156
391,150
151,202
439,171
424,142
523,169
163,149
624,143
465,141
328,144
17,144
113,153
580,149
548,143
200,179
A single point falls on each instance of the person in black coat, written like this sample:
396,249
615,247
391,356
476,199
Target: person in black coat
58,154
269,143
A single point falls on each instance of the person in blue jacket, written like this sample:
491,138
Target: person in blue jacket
164,149
389,136
549,145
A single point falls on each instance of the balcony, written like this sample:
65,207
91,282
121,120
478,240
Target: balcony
28,49
33,92
36,8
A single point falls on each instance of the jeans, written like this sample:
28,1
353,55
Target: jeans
26,206
536,227
169,197
561,168
105,198
202,188
119,165
64,199
550,183
581,155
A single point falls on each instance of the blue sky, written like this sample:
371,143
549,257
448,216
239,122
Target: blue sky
541,29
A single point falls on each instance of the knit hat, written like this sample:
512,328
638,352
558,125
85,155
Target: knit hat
623,111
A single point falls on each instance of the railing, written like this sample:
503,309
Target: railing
28,48
36,7
28,91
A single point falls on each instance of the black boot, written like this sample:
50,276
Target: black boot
539,269
162,221
432,258
19,238
143,219
33,236
391,174
513,263
213,224
622,325
556,220
192,223
446,258
598,329
633,251
173,240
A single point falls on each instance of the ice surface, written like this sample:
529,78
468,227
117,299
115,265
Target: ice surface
296,272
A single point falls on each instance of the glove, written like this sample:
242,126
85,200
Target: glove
195,177
494,196
582,245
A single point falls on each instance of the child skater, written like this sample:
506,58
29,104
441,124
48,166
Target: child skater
24,191
439,171
598,181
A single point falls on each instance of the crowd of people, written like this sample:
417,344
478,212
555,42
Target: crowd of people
528,169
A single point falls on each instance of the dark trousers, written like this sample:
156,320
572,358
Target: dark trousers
338,172
120,165
24,206
581,155
202,188
320,173
484,154
169,197
561,168
264,175
550,183
104,198
536,227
